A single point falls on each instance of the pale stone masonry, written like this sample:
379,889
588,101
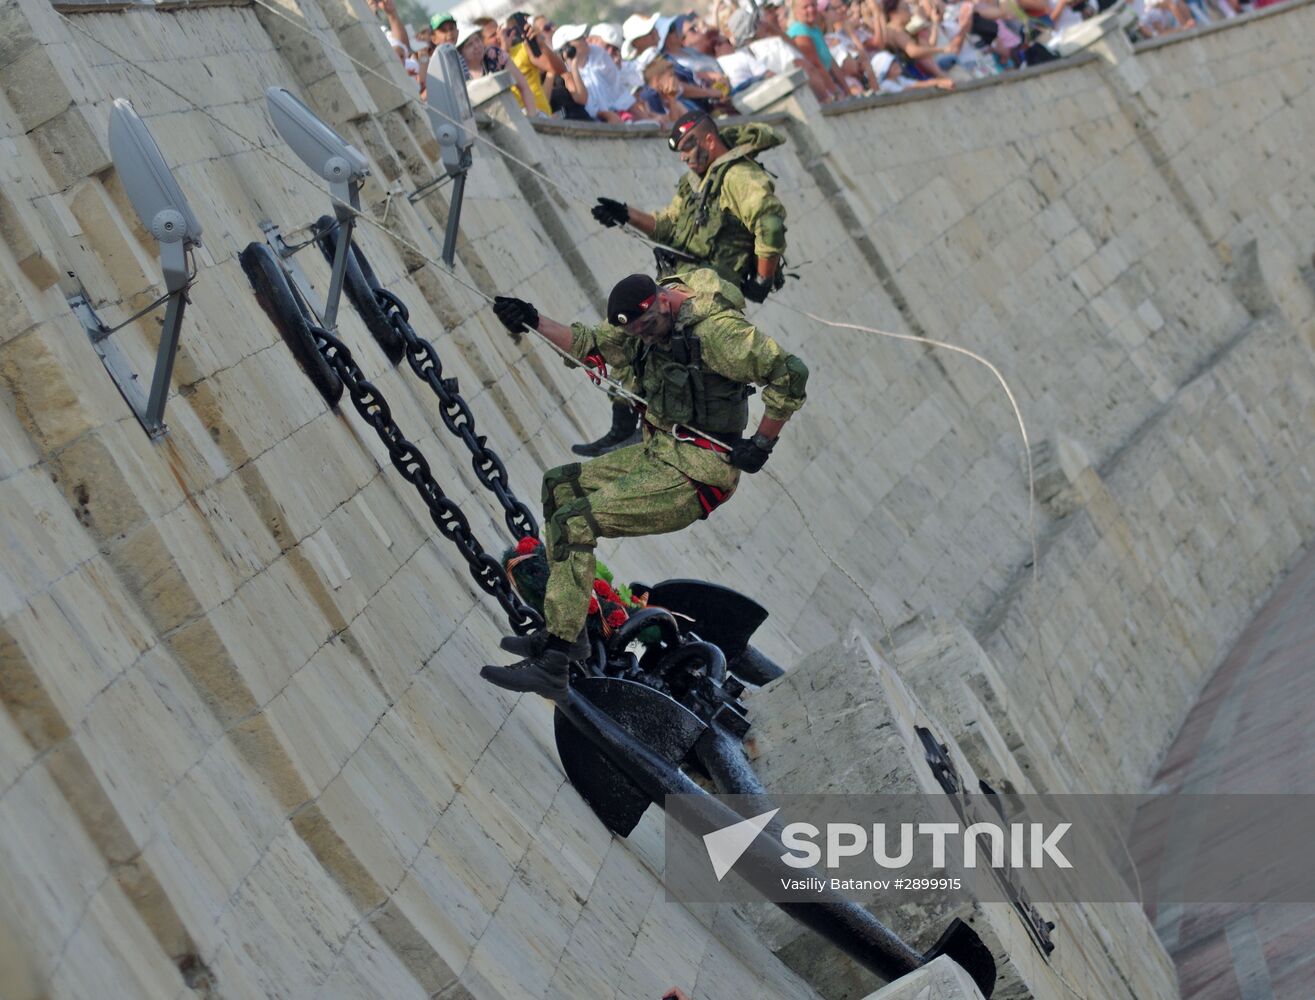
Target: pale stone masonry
244,750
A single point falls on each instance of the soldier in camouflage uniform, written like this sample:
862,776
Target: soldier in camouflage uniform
694,357
725,216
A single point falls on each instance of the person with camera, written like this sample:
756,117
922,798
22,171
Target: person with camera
725,216
691,354
609,100
570,93
531,53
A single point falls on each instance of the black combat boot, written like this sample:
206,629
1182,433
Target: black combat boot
544,669
625,431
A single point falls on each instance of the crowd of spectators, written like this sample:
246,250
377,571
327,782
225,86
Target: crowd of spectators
655,67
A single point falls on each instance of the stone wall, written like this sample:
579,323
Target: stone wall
244,748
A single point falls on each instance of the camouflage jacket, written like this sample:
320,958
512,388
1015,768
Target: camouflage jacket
731,215
732,354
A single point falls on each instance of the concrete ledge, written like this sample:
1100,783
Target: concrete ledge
850,104
767,118
596,130
765,94
1210,29
483,89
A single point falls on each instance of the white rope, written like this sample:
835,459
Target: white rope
1013,402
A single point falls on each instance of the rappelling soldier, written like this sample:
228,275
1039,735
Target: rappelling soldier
695,359
725,216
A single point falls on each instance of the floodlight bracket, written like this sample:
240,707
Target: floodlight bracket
453,224
162,208
286,253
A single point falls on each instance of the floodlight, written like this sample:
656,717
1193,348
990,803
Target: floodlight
450,113
160,204
319,146
453,121
338,162
155,195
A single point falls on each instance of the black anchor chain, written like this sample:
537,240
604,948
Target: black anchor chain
408,460
456,416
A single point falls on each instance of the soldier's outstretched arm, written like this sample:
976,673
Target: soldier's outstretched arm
641,220
578,340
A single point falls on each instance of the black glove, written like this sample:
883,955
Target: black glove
515,314
750,454
611,213
756,289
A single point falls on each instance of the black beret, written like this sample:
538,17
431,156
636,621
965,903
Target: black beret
632,295
685,124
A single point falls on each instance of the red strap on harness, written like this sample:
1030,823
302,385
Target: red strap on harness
710,497
595,361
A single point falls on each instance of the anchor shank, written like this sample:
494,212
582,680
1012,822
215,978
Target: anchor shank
840,921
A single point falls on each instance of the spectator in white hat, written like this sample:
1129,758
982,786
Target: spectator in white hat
611,39
608,99
639,35
470,49
568,93
887,71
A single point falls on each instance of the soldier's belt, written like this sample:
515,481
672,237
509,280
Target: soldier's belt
686,435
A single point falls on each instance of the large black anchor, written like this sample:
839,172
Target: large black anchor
629,725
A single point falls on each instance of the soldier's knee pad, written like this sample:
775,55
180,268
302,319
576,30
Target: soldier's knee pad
572,528
554,478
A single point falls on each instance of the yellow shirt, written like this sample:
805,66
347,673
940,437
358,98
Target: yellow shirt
520,55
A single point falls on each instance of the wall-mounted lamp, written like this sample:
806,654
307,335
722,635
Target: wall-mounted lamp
160,204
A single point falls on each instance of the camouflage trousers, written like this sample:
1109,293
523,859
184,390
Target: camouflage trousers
623,494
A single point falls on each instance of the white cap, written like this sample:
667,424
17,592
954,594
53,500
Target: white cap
568,33
881,64
465,31
664,24
637,26
608,33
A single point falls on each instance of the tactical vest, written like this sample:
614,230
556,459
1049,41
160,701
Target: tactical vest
716,237
680,390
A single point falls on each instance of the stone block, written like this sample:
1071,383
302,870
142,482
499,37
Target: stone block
21,232
110,238
763,96
45,399
71,145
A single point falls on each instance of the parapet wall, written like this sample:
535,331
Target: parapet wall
245,749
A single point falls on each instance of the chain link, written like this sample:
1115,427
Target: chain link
457,418
407,459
